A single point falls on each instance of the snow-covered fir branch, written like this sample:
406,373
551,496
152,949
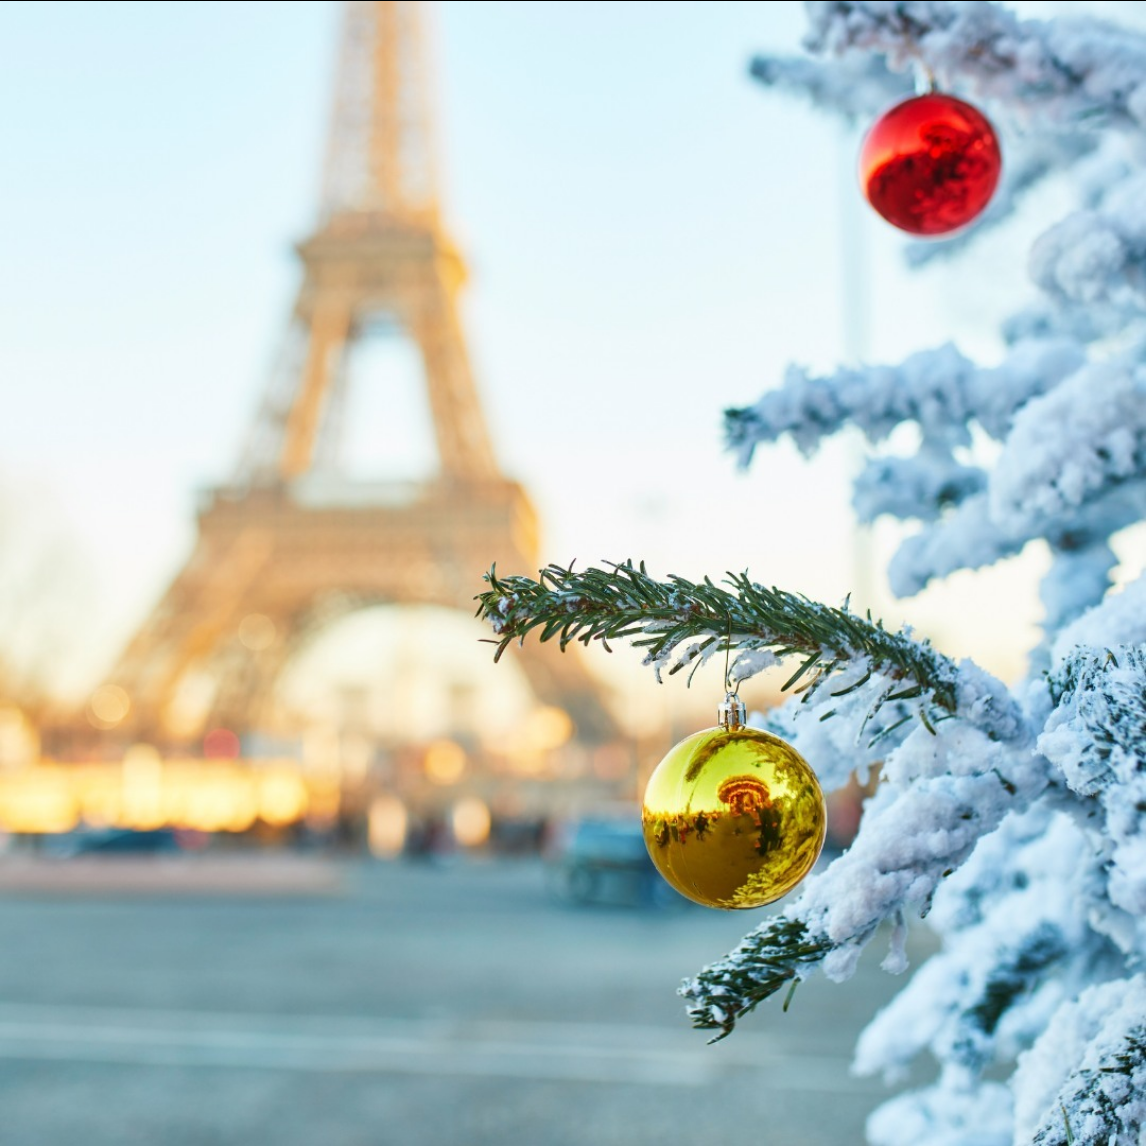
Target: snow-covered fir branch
1069,466
1016,949
940,391
856,88
1084,1081
1059,72
1096,737
922,487
946,785
679,622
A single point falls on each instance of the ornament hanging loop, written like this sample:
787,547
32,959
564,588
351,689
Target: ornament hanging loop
925,82
731,714
727,653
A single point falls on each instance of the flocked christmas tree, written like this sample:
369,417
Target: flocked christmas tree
1015,819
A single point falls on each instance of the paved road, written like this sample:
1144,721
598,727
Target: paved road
422,1007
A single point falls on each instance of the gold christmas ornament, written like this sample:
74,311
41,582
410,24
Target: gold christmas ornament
733,817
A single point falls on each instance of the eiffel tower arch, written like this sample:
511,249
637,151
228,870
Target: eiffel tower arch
285,547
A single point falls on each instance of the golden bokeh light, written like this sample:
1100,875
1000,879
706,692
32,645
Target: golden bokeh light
282,798
19,739
108,707
470,821
145,791
387,824
257,632
141,803
219,804
547,729
444,762
39,800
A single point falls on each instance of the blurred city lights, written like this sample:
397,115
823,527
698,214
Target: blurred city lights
221,744
282,798
108,707
41,802
141,803
387,823
547,729
19,740
145,792
470,821
444,763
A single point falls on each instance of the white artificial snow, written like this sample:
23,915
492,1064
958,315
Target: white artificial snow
1077,581
1120,619
1031,914
952,1115
1087,1068
919,487
1070,445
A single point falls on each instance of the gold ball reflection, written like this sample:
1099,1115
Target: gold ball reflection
733,818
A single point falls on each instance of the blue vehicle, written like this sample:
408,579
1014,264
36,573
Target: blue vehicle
604,860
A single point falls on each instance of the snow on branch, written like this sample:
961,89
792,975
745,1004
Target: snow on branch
1098,255
859,87
921,487
1016,949
1096,737
938,390
951,1113
1061,72
1078,579
1084,1082
1119,620
1067,449
969,538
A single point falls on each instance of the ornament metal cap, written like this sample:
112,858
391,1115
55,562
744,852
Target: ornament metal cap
732,712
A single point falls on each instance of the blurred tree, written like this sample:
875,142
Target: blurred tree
44,600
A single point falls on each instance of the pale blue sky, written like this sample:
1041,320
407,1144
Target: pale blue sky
652,236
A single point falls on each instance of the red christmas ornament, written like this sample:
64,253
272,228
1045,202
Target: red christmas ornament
931,164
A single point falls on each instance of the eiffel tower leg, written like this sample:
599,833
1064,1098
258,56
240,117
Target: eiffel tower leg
463,445
196,611
246,683
329,329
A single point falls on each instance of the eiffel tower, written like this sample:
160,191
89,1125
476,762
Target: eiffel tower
283,551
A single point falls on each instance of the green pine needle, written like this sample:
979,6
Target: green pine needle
779,954
623,601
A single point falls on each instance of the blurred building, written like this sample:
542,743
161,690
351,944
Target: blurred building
194,725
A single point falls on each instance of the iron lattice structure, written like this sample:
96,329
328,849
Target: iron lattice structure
283,542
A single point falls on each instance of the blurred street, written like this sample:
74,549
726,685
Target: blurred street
419,1005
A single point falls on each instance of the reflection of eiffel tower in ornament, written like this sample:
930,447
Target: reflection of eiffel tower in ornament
284,549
